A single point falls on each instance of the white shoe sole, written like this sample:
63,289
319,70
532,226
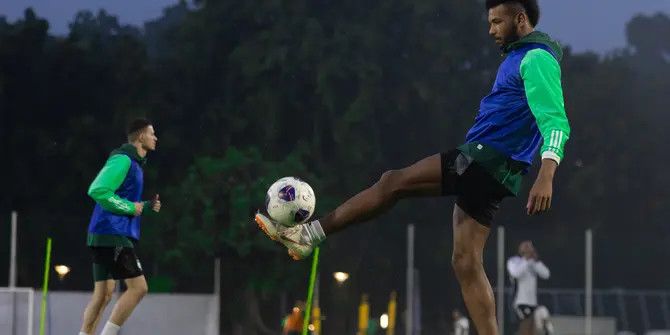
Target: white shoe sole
267,227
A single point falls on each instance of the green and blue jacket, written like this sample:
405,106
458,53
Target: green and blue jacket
523,113
115,190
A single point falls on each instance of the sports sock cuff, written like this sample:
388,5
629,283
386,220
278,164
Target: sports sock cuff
316,232
82,333
110,329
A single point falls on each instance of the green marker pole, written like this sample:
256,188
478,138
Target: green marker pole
45,286
310,291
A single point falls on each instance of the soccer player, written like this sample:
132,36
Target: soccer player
524,270
523,113
115,228
293,322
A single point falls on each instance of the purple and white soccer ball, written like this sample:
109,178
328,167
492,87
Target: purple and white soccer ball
290,201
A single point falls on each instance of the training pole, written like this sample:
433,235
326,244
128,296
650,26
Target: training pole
310,291
501,280
409,317
45,286
588,285
12,271
12,252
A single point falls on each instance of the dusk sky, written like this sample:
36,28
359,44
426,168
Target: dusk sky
596,25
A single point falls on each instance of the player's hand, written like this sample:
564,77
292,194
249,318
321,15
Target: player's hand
156,204
139,207
539,199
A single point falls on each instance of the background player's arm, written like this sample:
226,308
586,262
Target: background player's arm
541,270
109,179
517,266
542,81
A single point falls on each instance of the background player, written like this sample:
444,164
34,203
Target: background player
115,228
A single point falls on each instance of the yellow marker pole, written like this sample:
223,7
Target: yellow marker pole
390,330
363,315
316,320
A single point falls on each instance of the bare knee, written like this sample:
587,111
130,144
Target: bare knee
102,297
465,263
391,183
98,301
139,291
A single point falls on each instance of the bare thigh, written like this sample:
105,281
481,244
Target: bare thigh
423,178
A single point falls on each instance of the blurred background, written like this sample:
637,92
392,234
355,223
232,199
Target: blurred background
244,92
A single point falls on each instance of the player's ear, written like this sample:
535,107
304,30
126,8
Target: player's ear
521,17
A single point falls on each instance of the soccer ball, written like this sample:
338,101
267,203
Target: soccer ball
290,201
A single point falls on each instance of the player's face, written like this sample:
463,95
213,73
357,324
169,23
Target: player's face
149,139
526,248
503,24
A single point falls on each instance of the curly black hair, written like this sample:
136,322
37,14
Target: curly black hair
530,6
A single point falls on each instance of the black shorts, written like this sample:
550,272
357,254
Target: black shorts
115,263
524,312
478,193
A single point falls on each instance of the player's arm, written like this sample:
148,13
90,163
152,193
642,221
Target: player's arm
109,179
541,270
516,266
541,75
